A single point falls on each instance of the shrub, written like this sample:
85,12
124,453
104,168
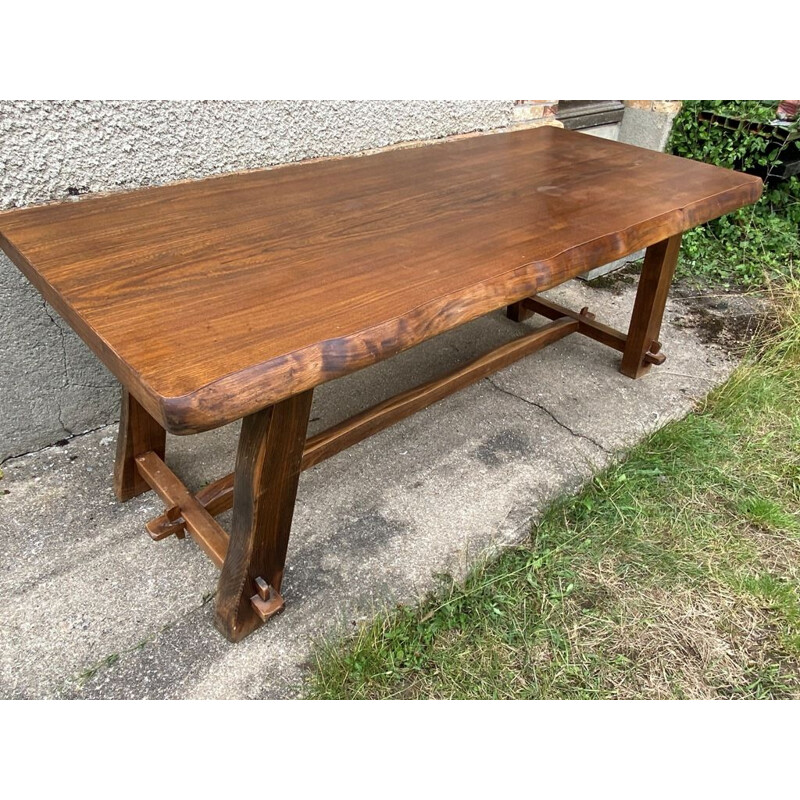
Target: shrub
755,244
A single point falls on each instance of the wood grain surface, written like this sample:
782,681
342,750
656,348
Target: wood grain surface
213,299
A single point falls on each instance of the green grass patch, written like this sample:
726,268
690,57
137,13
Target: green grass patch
675,573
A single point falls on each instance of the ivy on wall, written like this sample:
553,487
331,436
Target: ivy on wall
754,244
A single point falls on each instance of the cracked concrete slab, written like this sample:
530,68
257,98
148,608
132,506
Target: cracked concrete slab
91,607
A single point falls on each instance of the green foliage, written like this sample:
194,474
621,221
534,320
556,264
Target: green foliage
741,149
753,244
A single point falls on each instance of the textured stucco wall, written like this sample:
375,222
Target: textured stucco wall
51,386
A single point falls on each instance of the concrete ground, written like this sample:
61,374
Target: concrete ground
91,607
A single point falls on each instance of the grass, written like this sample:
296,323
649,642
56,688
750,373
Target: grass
674,574
91,671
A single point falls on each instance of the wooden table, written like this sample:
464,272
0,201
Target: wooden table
234,296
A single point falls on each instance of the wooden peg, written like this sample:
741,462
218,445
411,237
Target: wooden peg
174,515
267,603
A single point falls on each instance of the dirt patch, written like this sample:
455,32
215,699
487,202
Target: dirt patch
726,317
615,282
687,643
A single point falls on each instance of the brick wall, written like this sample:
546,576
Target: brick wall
532,113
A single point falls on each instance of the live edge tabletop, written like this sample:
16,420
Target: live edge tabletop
234,296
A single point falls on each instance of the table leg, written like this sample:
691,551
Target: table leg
267,471
517,312
648,309
138,433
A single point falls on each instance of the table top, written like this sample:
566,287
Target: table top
212,299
